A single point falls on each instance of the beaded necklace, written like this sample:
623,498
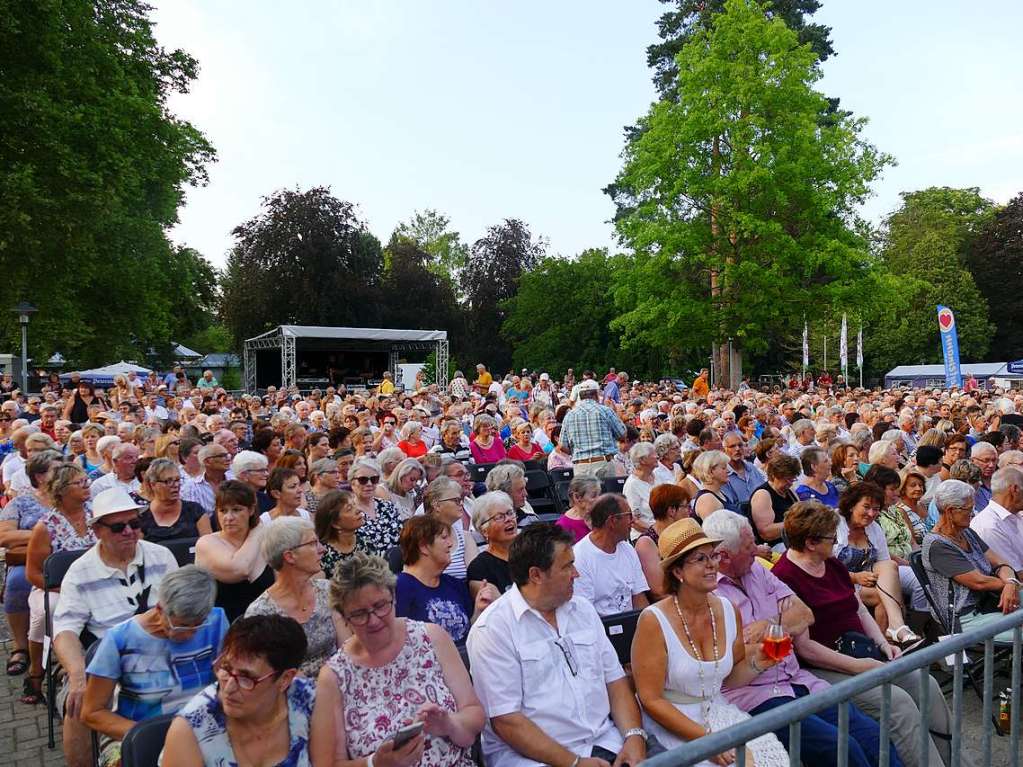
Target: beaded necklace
704,698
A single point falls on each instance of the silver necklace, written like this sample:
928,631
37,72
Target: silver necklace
704,698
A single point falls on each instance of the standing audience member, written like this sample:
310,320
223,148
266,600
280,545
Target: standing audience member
591,431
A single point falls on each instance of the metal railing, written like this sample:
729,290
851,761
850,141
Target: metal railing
791,714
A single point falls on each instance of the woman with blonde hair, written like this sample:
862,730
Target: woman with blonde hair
401,487
711,468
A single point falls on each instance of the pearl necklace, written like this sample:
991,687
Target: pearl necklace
704,698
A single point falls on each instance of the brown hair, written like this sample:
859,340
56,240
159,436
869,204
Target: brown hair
328,510
783,466
856,493
806,520
416,532
233,491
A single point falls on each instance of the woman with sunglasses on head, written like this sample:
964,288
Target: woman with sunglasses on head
167,516
292,549
373,686
141,657
382,526
259,709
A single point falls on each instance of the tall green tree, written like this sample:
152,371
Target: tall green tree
306,259
924,243
496,262
413,296
995,259
92,171
432,232
737,200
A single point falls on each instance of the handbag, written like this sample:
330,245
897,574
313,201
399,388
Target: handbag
858,645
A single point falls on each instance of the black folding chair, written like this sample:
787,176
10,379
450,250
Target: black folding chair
561,475
540,492
613,485
54,569
561,491
183,549
94,736
143,743
620,629
394,559
479,471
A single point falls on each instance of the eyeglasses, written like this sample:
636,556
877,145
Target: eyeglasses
825,538
172,629
390,423
372,480
244,681
456,499
118,527
509,514
313,542
80,483
361,617
568,651
172,482
701,560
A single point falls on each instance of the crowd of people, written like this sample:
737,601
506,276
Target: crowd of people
374,580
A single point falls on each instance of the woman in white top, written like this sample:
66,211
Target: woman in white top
687,645
400,488
668,450
285,487
639,484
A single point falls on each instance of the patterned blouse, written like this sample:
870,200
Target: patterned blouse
62,533
205,716
331,558
25,509
378,701
898,535
319,629
380,535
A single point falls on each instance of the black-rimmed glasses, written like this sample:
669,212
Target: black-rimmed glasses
361,617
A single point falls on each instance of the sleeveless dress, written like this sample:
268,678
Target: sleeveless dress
779,505
379,701
682,687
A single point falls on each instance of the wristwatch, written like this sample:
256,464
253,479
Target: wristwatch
635,731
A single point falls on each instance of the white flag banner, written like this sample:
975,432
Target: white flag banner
843,346
806,345
859,348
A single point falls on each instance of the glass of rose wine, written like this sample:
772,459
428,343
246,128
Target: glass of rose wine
776,645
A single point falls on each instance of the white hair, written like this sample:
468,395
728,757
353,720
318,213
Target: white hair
1006,406
281,536
952,492
248,460
489,504
982,447
728,526
664,443
1003,479
640,450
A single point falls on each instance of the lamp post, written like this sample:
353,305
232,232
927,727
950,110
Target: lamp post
24,310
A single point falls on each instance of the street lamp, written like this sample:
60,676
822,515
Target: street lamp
24,310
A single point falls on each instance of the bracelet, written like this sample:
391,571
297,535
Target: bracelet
369,760
1016,581
575,762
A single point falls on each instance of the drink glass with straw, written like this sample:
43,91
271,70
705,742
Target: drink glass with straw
776,645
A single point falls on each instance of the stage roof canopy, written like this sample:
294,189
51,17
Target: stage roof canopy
354,334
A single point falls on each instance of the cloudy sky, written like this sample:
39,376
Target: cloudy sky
486,110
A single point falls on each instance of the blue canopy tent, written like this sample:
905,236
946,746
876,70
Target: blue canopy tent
104,376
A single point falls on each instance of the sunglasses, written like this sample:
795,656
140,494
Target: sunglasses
368,480
118,527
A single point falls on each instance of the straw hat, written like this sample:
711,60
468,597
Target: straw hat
679,538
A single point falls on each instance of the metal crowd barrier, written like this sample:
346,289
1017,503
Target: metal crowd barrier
791,714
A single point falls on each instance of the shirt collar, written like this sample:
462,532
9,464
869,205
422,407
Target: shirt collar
520,606
999,511
109,571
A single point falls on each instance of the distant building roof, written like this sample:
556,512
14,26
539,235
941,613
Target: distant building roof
976,369
218,360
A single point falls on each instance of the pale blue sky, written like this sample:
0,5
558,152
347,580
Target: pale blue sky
487,110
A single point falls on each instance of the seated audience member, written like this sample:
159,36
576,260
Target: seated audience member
142,656
338,521
424,592
668,449
113,580
762,599
376,683
324,477
259,709
823,583
253,469
284,486
485,445
233,555
550,683
292,550
999,524
711,469
772,499
167,516
510,478
610,574
816,486
639,484
582,492
382,526
401,486
967,575
523,447
862,549
845,459
412,444
668,504
679,701
443,499
124,458
494,517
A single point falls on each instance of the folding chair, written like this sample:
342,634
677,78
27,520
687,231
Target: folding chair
561,492
394,559
93,735
479,471
540,493
561,475
143,743
54,569
183,549
613,485
620,629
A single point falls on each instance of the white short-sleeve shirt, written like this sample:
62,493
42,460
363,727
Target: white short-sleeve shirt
874,534
608,581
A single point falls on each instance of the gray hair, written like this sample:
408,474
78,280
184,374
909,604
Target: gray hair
410,428
502,475
248,460
107,442
640,450
281,536
728,526
965,470
39,464
1010,458
489,504
706,462
402,470
208,449
982,447
357,572
322,466
484,419
664,443
878,451
441,487
363,463
1006,406
582,484
39,439
161,466
952,492
122,449
802,425
1005,478
188,592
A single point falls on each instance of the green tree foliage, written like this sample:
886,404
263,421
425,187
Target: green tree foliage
995,259
413,295
306,259
431,231
690,17
93,170
737,199
496,262
924,244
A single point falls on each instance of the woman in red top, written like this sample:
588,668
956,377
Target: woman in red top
524,449
411,444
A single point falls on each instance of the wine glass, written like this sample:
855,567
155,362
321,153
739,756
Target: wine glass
776,645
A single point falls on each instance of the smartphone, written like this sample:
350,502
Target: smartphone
405,734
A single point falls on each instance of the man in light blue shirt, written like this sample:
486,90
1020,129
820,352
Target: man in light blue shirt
743,476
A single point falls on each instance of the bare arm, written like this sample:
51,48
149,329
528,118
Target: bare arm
708,504
226,565
650,560
96,714
519,732
181,749
763,516
639,601
11,536
38,550
203,525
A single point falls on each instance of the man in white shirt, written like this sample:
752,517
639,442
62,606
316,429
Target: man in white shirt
124,458
154,409
545,672
999,524
610,574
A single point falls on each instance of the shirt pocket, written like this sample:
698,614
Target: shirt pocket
538,670
588,647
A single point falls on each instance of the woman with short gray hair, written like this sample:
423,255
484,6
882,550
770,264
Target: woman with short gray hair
168,517
379,533
292,550
184,620
510,478
443,499
485,444
324,476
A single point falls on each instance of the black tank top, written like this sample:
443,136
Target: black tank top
779,504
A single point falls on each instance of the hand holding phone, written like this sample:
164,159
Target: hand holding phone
405,734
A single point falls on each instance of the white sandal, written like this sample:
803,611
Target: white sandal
912,639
